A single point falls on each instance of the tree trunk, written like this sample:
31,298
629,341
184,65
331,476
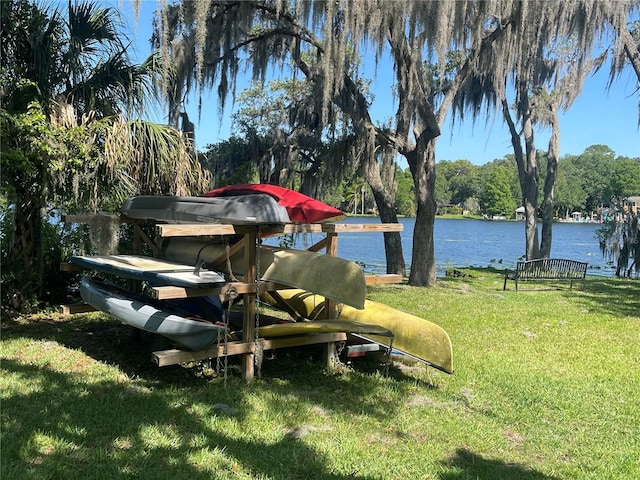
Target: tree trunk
530,192
392,240
416,116
385,201
25,252
423,265
527,173
354,104
549,183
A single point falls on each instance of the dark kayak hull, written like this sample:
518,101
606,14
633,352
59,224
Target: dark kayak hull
243,209
145,314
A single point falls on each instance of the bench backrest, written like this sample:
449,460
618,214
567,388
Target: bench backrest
552,268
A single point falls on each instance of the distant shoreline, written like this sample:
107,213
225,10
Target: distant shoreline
477,217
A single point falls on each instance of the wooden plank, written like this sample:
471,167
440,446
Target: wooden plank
128,219
186,230
76,308
331,306
182,230
303,228
170,292
292,228
172,357
365,227
387,278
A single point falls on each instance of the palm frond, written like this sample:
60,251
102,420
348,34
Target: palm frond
159,158
92,35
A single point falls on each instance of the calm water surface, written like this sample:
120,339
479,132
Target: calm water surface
469,243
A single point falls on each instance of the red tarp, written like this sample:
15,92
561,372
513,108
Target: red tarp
301,208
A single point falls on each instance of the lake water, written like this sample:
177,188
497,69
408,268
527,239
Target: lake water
469,243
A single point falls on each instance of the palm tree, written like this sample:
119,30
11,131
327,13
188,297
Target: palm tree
77,58
67,90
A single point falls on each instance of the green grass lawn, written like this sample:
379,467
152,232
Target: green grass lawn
547,386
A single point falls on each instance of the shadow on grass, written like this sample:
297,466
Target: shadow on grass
161,422
466,464
105,340
113,343
292,372
614,296
605,295
115,431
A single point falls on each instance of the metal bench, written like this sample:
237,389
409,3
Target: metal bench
548,269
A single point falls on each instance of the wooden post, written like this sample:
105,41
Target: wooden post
330,306
332,244
137,249
248,325
332,249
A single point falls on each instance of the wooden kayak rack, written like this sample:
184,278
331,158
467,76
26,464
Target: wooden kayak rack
247,346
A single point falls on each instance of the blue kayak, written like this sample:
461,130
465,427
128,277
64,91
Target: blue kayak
151,315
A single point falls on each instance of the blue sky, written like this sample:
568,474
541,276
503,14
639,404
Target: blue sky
597,116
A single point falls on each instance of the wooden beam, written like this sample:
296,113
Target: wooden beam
292,228
186,230
221,260
170,292
383,279
145,238
303,228
302,340
172,357
331,306
76,308
126,219
332,244
182,230
320,245
164,358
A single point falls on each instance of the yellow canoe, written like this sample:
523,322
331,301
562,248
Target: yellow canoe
311,271
413,335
